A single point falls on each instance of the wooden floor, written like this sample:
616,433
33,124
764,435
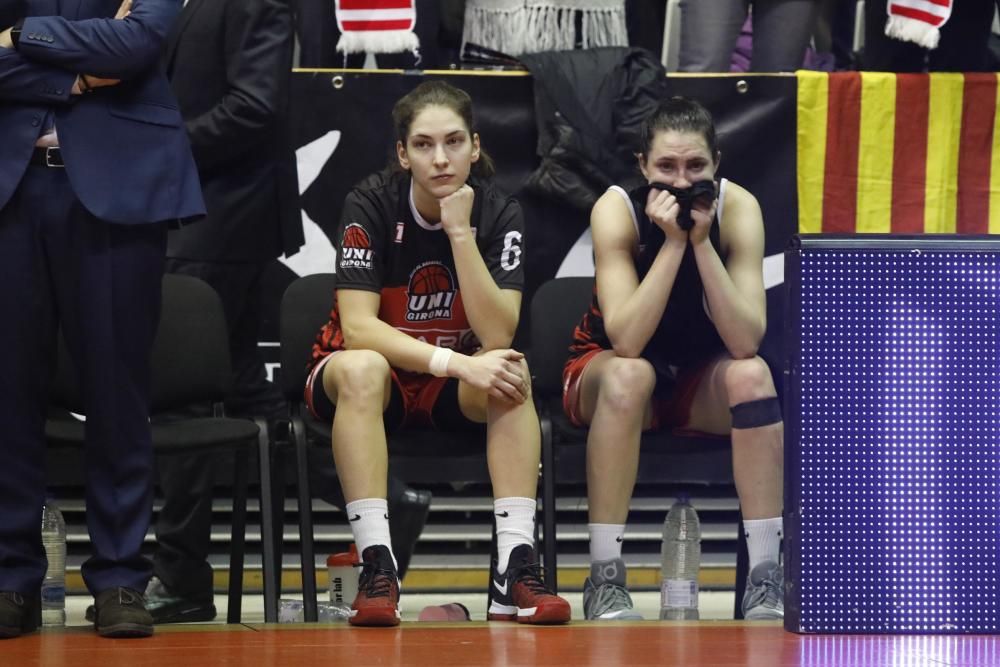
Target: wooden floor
697,644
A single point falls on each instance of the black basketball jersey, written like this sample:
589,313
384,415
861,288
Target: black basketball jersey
386,246
686,333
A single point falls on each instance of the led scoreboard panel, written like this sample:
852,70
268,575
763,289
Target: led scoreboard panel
892,444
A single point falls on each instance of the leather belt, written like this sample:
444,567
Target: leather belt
47,157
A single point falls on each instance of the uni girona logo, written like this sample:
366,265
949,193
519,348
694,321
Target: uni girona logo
431,293
357,248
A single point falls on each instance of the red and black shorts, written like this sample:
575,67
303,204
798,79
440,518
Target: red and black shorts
672,397
417,399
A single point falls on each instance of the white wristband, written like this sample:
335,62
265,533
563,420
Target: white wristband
439,361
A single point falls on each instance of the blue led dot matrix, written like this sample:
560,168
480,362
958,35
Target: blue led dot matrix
893,435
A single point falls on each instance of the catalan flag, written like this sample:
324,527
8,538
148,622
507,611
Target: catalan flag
907,153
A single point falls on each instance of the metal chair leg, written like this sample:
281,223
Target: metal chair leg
305,522
267,523
549,545
742,568
238,539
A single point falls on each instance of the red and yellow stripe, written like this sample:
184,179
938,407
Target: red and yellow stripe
903,153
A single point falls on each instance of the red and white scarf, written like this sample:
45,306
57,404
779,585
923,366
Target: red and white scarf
376,26
918,21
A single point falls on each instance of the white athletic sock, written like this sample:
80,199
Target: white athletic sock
763,540
369,519
515,525
605,541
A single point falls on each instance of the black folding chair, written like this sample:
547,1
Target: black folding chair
190,367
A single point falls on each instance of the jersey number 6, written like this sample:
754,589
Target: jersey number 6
510,258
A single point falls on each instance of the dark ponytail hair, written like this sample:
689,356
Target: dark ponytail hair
439,93
679,114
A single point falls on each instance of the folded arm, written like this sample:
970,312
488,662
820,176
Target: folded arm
497,372
364,330
27,82
106,47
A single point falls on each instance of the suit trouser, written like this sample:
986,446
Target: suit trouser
101,283
781,32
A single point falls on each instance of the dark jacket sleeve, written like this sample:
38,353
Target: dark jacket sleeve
24,81
258,69
105,47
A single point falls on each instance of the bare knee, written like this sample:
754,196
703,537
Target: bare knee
526,374
474,406
627,384
748,380
357,376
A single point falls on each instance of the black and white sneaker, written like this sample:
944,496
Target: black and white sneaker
520,593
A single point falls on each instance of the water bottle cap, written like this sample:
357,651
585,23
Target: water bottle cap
343,559
684,497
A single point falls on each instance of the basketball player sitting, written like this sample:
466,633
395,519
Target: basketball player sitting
670,340
429,279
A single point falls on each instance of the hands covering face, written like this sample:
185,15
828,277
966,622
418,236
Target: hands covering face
678,211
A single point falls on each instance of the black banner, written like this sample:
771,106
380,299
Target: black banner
343,132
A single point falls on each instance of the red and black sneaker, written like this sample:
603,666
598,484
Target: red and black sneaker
521,595
377,602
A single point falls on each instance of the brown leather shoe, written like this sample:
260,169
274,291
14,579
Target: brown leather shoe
19,614
121,613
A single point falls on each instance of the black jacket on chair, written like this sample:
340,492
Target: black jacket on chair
229,63
589,106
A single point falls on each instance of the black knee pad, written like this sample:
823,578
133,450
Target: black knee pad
752,414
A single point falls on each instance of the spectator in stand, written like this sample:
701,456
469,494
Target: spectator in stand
709,29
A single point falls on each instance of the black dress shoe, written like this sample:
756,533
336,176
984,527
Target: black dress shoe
121,613
19,614
407,516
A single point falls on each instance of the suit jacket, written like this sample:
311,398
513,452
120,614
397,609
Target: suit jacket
229,63
126,153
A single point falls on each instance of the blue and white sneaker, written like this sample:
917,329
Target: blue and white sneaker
605,597
764,599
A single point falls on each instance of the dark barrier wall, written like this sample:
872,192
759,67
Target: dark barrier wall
342,130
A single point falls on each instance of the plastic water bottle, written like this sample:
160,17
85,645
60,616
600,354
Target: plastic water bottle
343,577
54,584
681,559
293,611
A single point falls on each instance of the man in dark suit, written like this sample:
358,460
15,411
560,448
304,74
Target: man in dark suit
95,161
229,63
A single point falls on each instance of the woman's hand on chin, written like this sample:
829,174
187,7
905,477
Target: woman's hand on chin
456,211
